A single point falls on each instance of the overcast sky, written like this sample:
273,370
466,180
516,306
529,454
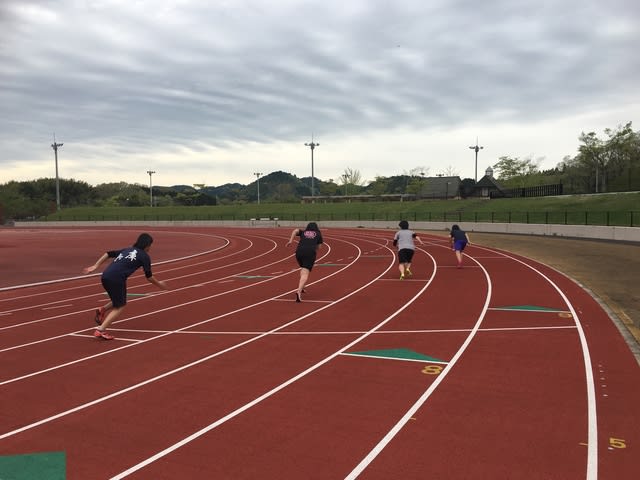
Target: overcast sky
213,91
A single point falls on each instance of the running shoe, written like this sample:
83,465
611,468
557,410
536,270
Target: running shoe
408,272
402,276
102,334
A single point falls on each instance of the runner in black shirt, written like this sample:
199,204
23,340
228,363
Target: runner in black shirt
310,240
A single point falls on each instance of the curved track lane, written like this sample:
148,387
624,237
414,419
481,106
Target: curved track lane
502,369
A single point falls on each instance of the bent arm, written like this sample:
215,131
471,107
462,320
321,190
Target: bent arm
99,262
157,283
293,235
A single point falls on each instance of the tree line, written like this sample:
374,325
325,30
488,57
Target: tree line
604,164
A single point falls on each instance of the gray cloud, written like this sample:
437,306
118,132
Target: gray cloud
143,80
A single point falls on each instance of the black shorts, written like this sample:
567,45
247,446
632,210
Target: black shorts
117,290
306,258
405,255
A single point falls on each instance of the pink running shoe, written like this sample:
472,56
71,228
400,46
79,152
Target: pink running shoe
102,334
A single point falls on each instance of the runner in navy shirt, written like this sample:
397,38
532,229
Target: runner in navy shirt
310,240
114,279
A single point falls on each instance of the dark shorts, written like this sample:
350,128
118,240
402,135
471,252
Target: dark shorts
117,291
405,255
306,258
459,245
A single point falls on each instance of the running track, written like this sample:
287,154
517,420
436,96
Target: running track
504,369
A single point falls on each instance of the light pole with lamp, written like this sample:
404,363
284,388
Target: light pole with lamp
312,146
257,174
476,148
344,177
55,146
150,172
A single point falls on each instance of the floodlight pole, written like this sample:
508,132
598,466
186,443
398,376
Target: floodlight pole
344,179
150,172
257,174
55,146
312,146
477,149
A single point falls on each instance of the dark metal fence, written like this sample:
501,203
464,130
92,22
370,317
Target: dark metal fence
537,191
622,219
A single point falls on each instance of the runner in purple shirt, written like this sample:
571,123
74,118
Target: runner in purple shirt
114,279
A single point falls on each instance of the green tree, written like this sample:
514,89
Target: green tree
513,171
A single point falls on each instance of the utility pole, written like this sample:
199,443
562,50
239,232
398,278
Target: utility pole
257,174
55,146
150,172
312,146
477,149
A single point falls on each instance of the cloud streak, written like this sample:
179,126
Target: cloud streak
214,92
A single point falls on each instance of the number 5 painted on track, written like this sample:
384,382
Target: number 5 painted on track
617,443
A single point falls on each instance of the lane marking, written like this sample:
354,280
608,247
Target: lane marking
57,306
273,391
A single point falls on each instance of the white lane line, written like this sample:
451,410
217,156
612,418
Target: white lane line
271,392
58,306
592,417
377,449
176,370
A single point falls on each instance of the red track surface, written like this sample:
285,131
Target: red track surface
226,377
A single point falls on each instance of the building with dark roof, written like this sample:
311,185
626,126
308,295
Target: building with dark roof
488,186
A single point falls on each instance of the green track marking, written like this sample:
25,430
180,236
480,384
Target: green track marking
47,465
531,308
329,264
253,276
397,354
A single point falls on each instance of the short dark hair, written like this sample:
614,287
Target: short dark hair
312,226
454,228
144,240
403,224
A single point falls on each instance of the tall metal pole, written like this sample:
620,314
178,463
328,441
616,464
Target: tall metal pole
257,174
55,146
344,180
312,146
150,172
477,149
